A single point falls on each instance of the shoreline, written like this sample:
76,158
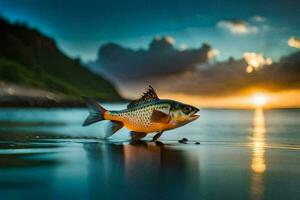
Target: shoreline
13,95
44,102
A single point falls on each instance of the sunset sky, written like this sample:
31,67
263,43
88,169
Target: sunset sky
232,27
163,43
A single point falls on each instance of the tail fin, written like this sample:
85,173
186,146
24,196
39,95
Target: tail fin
96,111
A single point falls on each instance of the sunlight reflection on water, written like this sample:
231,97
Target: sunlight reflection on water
258,164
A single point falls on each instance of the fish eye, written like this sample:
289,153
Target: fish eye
187,109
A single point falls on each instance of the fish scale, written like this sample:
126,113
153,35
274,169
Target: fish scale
140,116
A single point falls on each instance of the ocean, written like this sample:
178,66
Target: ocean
243,154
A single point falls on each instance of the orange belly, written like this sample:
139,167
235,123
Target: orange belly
154,127
134,124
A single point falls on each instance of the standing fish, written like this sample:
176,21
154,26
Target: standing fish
148,114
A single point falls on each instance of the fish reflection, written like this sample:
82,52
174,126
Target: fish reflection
258,164
140,155
140,169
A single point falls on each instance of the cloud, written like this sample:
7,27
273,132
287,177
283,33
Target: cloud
183,46
229,77
236,26
169,39
258,18
213,53
294,42
161,58
171,70
255,61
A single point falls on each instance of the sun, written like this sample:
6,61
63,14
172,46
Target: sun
259,99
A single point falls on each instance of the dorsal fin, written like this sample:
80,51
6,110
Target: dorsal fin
149,95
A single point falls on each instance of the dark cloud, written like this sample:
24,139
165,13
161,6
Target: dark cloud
188,72
160,59
227,78
230,77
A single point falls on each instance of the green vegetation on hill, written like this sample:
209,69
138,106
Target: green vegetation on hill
29,58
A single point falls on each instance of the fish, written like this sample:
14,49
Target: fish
148,114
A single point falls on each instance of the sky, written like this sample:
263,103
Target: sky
232,26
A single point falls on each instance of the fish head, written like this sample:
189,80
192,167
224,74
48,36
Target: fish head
183,113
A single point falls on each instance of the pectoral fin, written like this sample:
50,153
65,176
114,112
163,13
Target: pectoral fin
113,127
137,135
160,117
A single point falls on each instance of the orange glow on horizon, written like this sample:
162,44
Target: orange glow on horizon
248,100
259,99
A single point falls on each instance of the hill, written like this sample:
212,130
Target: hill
29,58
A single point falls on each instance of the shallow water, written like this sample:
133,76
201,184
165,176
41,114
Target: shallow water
244,154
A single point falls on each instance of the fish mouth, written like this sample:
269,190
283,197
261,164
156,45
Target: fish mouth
193,116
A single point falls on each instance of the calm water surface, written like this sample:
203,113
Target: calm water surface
244,154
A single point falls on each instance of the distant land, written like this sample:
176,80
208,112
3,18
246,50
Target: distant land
34,72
